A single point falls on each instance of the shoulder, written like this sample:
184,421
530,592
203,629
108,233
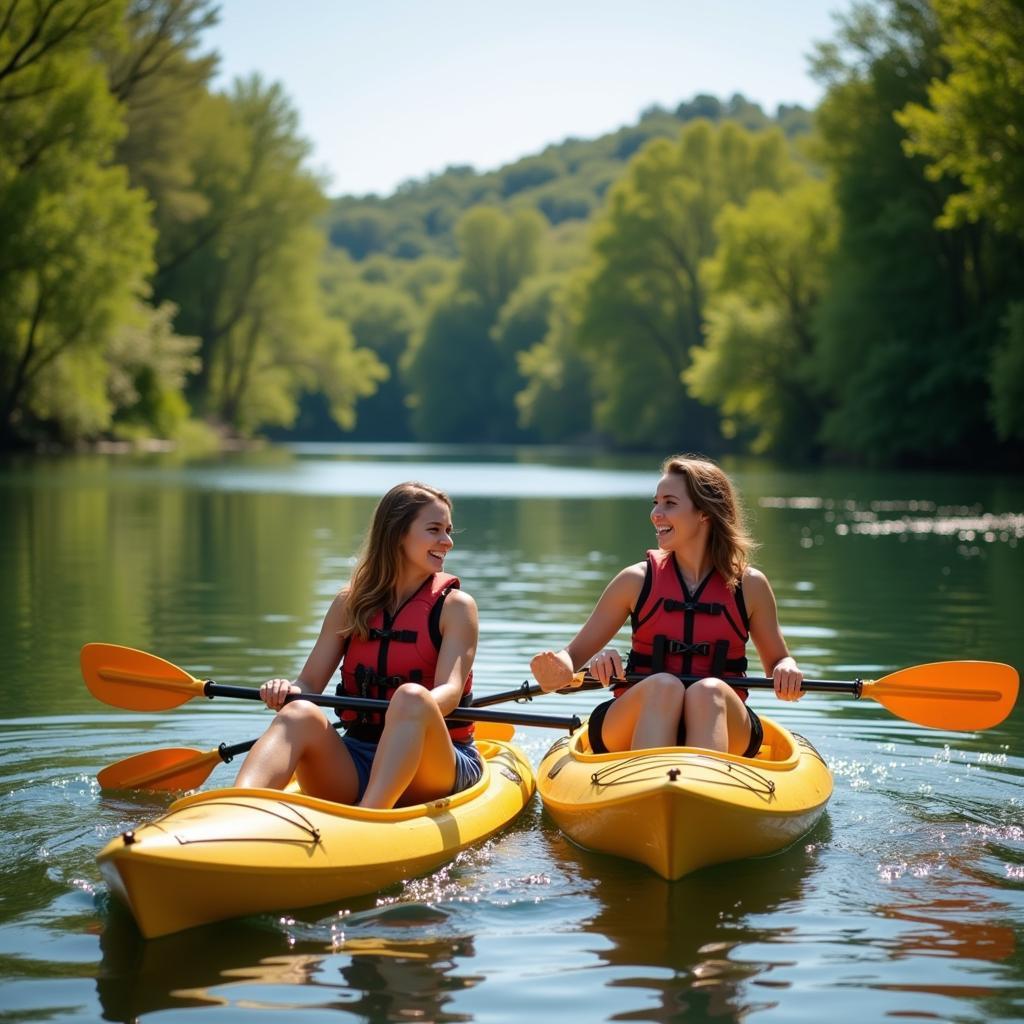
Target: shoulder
754,577
338,605
636,571
756,588
458,598
629,581
458,605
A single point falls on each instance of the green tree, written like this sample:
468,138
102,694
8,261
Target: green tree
245,273
77,242
148,367
643,303
971,128
382,318
971,132
1007,376
764,283
556,400
462,383
159,80
908,323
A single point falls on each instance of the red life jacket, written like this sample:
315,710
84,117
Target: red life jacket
702,633
400,648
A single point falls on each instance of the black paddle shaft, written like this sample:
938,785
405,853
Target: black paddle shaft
527,691
570,723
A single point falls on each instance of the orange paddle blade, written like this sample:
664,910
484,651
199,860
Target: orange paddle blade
135,680
960,695
493,731
171,770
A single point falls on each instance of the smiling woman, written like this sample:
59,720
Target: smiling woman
693,604
404,632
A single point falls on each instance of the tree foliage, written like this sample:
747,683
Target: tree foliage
764,283
707,276
643,304
245,272
971,128
462,379
77,242
568,181
908,323
555,402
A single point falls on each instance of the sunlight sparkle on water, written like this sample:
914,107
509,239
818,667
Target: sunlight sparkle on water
910,518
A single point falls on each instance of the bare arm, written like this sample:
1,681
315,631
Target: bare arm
767,636
460,629
320,665
554,669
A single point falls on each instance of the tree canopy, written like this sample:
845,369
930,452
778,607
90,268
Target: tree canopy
844,283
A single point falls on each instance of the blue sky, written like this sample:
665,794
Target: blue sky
388,90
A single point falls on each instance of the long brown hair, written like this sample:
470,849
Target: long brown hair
712,493
376,573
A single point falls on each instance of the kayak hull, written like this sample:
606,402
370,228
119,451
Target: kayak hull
230,852
678,809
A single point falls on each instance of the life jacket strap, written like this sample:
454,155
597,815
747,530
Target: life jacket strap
702,607
402,636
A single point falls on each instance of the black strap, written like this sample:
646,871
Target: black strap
704,607
741,604
718,661
645,591
434,619
402,636
730,667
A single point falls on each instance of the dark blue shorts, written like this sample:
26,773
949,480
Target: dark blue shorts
596,720
469,766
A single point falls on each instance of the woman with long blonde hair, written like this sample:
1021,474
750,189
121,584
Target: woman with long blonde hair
693,603
402,631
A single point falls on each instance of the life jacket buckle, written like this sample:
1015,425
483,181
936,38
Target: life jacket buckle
681,647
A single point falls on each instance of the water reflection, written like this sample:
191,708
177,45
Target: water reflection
967,928
913,906
695,929
378,965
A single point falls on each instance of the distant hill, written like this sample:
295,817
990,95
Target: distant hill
565,182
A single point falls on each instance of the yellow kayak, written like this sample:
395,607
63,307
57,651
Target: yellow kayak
229,852
677,809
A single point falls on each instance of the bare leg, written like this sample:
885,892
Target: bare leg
300,740
415,760
646,715
716,718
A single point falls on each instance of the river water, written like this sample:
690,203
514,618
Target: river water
907,900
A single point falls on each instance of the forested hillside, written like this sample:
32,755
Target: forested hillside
844,283
566,182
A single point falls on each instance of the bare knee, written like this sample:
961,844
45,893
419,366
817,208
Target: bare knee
411,703
665,692
300,716
707,694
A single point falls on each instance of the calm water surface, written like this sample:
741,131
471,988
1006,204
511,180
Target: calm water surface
906,902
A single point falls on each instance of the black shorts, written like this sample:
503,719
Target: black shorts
596,721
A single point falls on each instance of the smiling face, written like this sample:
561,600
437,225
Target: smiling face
676,520
428,538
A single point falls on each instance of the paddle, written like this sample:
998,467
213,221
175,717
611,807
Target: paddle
955,695
138,681
171,769
176,768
